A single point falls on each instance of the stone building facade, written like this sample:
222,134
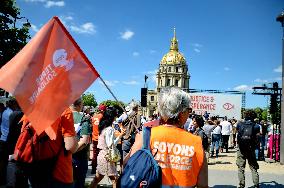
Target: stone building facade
172,71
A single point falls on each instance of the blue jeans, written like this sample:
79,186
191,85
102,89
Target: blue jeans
256,152
263,146
257,148
215,142
126,146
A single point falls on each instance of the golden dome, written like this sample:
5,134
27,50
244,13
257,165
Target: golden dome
173,56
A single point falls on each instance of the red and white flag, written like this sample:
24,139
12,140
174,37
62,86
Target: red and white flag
48,75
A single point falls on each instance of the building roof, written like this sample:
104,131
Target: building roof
173,56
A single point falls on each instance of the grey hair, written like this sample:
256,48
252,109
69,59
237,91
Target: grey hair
172,101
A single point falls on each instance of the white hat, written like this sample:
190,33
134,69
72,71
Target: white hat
127,108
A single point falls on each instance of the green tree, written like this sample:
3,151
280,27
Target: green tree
261,114
115,104
12,39
264,114
258,112
89,99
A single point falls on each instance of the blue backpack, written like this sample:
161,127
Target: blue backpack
141,170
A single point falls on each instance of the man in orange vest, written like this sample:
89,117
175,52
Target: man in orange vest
96,121
179,153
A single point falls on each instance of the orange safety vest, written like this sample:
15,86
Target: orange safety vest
179,154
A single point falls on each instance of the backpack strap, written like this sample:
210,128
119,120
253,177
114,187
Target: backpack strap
146,135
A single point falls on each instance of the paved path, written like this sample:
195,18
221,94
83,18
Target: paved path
229,179
223,173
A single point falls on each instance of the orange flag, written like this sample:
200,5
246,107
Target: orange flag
48,75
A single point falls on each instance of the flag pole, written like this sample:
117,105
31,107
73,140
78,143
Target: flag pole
112,94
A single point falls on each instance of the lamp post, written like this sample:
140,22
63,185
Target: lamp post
280,18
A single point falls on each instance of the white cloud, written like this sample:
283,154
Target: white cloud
153,78
110,83
278,69
278,79
66,20
227,69
34,28
133,82
34,1
88,28
152,72
49,4
270,80
135,54
197,45
243,88
151,75
260,80
196,50
127,35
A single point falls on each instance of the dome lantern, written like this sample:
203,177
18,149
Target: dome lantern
174,42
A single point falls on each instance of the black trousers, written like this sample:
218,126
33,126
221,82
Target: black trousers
225,140
3,162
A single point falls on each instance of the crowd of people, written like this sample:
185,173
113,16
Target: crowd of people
182,143
222,133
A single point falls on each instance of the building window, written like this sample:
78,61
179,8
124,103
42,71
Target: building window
168,82
176,69
176,82
152,98
170,69
161,83
182,69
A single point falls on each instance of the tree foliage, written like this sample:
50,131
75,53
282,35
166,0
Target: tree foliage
261,113
115,104
89,100
12,38
264,114
258,112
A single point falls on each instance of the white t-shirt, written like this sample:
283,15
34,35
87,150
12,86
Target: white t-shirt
226,127
110,137
187,124
217,130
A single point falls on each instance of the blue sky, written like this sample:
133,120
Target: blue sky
228,44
